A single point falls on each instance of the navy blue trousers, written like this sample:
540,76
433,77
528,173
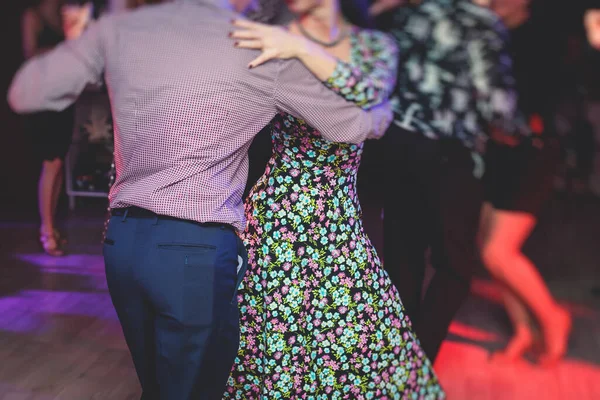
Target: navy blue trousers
174,286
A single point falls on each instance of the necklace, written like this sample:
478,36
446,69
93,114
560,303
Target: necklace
310,37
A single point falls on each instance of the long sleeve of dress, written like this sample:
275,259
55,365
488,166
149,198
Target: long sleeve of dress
371,77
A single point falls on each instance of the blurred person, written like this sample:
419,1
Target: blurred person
76,18
186,108
313,272
51,131
518,180
592,26
455,87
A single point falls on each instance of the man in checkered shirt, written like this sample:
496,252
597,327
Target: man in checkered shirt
186,109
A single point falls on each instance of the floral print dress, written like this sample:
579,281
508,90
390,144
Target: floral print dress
320,318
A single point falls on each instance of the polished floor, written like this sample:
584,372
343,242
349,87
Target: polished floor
60,338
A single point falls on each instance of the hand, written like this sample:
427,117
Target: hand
592,27
380,6
382,116
274,41
76,19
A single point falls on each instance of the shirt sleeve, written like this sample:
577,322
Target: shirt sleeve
54,80
372,81
492,76
301,94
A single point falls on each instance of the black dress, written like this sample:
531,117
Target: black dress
50,131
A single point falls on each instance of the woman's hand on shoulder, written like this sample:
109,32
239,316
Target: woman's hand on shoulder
274,41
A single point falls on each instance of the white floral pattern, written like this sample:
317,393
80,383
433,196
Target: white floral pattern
455,76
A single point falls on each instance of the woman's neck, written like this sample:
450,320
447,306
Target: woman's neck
324,22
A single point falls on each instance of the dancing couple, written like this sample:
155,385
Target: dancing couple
319,316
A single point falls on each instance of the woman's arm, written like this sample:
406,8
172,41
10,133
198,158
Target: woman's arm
366,84
277,42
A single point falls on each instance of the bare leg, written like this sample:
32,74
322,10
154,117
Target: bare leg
505,261
56,190
47,205
486,222
58,185
523,337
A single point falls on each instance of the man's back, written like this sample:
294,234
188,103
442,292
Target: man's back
173,76
185,105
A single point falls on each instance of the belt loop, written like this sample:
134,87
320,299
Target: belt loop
125,215
155,220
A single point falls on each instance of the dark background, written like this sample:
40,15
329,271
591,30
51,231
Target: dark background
18,169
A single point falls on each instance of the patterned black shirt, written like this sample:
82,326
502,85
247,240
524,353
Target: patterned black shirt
455,75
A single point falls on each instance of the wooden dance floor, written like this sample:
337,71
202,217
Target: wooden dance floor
60,338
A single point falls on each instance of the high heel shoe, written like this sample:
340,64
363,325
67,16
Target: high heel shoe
556,337
522,342
50,245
